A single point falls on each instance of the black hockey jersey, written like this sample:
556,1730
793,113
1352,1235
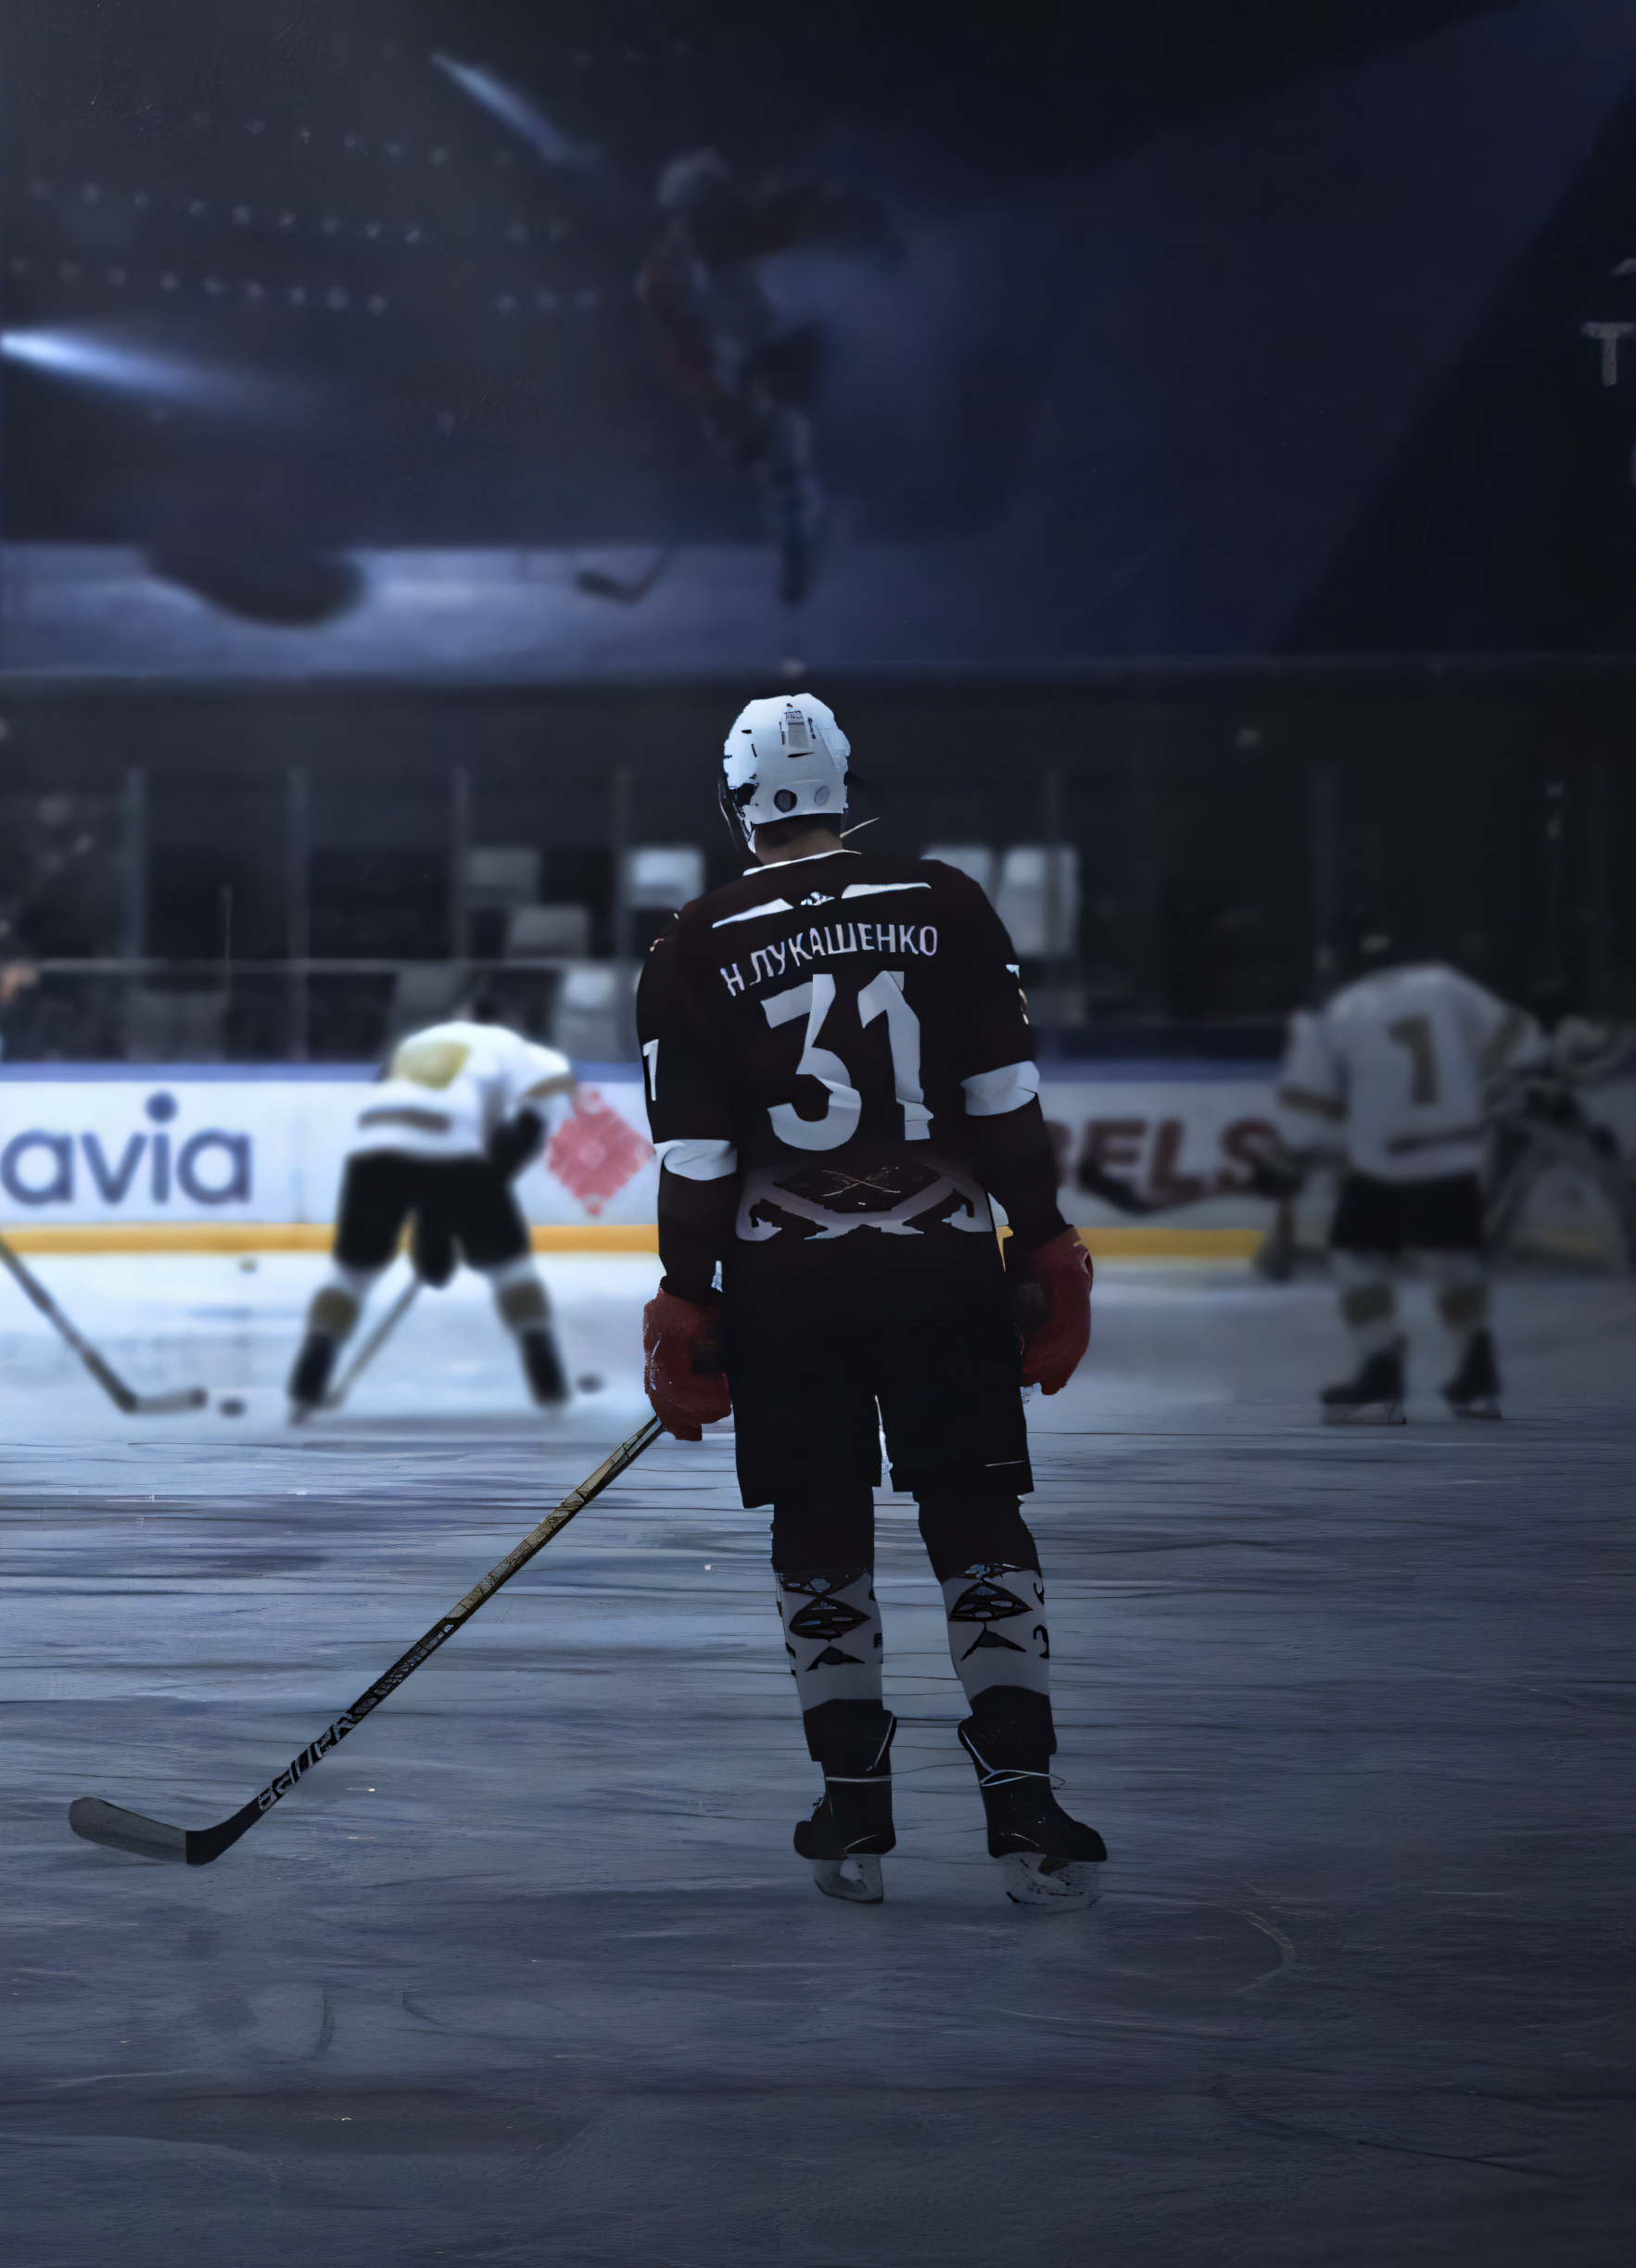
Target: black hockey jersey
844,1040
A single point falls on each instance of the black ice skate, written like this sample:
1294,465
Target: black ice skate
1048,1858
544,1365
1474,1390
850,1830
1374,1397
309,1379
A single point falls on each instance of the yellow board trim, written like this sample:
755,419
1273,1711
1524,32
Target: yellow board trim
1125,1241
278,1237
1132,1243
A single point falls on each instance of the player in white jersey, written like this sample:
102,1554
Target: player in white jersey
1397,1069
458,1111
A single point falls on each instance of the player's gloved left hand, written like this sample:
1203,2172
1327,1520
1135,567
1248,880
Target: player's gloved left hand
515,1141
1051,1303
682,1364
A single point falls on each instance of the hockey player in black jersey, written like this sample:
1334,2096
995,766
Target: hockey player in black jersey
838,1074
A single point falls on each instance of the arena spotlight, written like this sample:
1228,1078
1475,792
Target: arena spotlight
513,110
87,361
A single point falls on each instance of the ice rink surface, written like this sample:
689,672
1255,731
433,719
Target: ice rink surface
1351,1708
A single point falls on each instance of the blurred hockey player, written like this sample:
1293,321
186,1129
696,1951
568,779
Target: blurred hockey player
746,368
1544,1127
458,1112
839,1077
1396,1068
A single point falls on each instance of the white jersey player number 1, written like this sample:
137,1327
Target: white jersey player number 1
814,1000
1414,1033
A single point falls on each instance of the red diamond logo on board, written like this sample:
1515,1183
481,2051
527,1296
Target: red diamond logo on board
595,1152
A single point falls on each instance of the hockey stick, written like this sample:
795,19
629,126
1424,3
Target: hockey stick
1096,1181
372,1345
129,1831
134,1405
597,583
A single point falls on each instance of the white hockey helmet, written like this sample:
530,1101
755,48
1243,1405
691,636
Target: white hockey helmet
785,758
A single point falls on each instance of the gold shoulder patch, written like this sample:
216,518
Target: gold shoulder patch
429,1063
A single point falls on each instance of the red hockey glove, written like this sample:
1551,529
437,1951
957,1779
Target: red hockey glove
1052,1306
681,1366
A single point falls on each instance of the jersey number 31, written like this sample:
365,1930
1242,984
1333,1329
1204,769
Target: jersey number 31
881,996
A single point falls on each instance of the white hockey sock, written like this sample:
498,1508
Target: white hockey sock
997,1628
519,1296
831,1633
1368,1302
1461,1281
337,1301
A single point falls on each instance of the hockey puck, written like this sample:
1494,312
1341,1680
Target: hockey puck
231,1407
590,1383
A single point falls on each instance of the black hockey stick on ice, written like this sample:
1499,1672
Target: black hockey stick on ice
128,1830
112,1385
1096,1181
371,1345
597,583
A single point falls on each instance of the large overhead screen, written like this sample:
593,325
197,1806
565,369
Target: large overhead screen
657,337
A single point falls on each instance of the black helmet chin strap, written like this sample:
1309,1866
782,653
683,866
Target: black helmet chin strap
732,800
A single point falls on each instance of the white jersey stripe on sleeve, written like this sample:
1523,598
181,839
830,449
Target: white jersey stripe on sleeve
698,1159
754,913
989,1095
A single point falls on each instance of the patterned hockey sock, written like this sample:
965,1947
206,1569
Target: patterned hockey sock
997,1628
831,1633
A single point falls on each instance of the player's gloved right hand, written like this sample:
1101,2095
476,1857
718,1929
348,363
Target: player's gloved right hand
682,1364
1051,1303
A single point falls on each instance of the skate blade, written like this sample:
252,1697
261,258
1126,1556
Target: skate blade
856,1880
1484,1406
1067,1888
1364,1414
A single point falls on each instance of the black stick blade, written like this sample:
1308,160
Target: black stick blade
126,1830
161,1405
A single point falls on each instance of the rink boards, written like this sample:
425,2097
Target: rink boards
178,1157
